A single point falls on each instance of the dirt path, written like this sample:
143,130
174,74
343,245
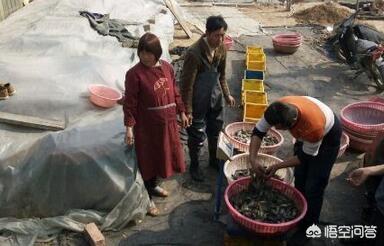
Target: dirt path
276,15
269,16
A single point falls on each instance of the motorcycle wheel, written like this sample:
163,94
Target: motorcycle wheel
378,73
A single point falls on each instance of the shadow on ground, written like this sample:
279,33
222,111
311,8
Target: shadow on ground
190,223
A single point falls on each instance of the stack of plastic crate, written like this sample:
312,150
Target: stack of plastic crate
254,98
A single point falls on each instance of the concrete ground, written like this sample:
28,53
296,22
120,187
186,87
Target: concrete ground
187,215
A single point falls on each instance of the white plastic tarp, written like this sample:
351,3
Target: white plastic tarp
84,173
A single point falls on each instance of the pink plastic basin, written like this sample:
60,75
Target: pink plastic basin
285,49
287,35
103,96
363,117
287,44
228,42
287,39
262,228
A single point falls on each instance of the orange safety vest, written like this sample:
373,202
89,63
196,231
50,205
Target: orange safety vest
310,124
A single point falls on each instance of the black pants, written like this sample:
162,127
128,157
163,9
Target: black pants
311,176
150,186
210,127
203,128
207,104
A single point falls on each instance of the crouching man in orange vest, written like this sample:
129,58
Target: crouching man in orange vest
318,133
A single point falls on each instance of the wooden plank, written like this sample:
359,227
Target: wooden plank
200,27
370,17
171,5
94,235
198,4
241,5
29,121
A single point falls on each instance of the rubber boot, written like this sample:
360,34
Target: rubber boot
212,147
194,170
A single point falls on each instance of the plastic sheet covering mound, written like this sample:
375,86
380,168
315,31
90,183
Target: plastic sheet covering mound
84,173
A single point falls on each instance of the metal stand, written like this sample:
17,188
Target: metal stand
224,152
219,192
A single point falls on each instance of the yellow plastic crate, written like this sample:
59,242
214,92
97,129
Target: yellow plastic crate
255,97
252,85
253,111
254,49
255,65
256,57
252,120
256,61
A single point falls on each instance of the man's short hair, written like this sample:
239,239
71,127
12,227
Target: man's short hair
215,23
150,43
281,113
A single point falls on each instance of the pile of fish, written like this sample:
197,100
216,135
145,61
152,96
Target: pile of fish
247,172
244,136
263,203
241,173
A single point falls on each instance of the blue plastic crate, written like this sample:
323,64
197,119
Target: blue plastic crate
253,74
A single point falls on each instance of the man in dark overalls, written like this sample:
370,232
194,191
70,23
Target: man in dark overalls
203,86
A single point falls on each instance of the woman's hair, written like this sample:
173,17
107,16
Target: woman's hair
215,23
281,113
150,43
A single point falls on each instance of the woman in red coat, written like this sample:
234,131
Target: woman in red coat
151,105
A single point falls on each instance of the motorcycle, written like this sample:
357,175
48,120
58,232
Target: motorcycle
361,47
